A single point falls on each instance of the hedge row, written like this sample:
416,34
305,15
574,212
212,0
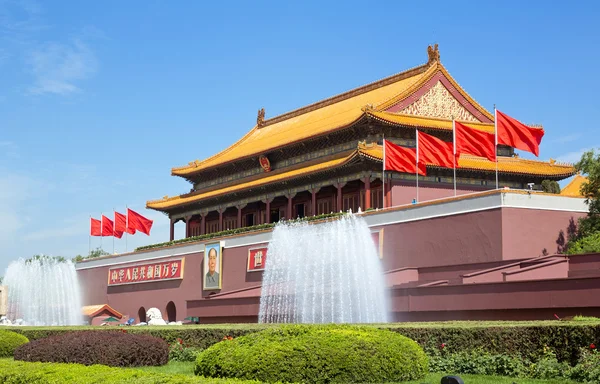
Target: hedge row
116,349
234,231
17,372
9,341
526,339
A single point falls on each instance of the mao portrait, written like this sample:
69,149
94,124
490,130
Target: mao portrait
212,266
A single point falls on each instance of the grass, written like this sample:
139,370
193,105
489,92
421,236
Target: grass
187,368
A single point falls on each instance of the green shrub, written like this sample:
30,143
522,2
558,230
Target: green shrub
9,341
316,354
587,244
587,369
179,351
115,348
18,372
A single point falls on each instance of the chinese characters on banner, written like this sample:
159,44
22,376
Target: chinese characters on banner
257,257
143,273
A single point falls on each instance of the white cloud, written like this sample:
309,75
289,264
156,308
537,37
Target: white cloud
57,67
573,157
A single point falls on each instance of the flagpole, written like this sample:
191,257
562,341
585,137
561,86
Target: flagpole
126,226
101,225
90,238
496,142
383,173
454,151
114,231
417,164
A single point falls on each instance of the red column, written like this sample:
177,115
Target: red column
268,212
367,181
289,208
187,225
172,235
339,198
220,219
239,218
203,224
388,193
314,202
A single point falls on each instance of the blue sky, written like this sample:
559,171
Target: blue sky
98,100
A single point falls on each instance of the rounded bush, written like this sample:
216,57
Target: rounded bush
9,341
112,348
316,354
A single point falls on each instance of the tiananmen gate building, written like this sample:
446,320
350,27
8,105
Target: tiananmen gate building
485,253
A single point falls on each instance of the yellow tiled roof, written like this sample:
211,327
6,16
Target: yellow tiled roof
425,122
514,165
574,187
316,121
170,202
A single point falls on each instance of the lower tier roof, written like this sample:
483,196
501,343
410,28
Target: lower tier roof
374,152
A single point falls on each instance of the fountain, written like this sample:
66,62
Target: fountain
323,273
43,291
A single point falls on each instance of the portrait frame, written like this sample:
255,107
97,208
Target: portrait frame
251,267
208,250
378,233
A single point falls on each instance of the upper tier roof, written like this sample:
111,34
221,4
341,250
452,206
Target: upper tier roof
337,113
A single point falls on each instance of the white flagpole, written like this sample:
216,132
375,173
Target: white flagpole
90,237
101,225
417,164
454,151
383,174
496,139
126,225
113,231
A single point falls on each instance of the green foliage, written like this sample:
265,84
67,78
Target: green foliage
180,351
316,354
43,258
586,244
9,341
590,166
550,186
235,231
17,372
93,254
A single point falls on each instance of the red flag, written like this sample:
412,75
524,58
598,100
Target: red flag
121,224
518,135
95,226
474,142
435,151
138,222
401,159
107,226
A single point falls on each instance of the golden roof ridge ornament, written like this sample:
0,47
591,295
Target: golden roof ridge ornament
260,119
433,54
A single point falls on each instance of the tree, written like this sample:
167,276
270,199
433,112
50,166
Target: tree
550,186
93,254
43,258
1,279
587,238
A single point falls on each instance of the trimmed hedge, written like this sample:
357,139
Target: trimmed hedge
9,341
316,354
17,372
116,349
526,338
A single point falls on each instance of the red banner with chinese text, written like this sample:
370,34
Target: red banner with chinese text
257,258
144,273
